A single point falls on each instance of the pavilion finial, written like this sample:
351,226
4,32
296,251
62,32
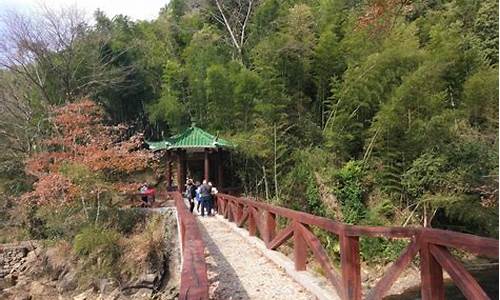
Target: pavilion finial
193,122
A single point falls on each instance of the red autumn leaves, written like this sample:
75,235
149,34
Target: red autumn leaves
81,137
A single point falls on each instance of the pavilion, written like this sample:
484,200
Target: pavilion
194,150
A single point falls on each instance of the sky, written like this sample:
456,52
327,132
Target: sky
136,9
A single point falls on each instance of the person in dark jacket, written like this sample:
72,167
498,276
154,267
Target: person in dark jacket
205,195
190,194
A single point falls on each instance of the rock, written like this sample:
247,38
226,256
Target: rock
22,296
141,294
149,278
13,279
37,289
5,283
106,286
68,282
114,295
87,295
32,256
16,266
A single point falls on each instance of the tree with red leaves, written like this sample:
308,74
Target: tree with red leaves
85,159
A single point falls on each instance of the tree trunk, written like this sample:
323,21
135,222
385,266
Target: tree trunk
98,207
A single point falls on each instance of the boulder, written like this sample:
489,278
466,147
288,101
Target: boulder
106,286
114,295
67,282
141,294
22,296
87,295
37,288
6,283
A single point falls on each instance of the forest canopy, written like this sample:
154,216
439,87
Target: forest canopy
379,112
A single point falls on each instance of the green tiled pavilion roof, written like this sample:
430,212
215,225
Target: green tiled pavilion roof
192,137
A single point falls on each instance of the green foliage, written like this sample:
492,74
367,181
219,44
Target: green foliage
54,222
301,187
350,190
397,117
100,250
425,174
481,98
379,250
125,220
94,238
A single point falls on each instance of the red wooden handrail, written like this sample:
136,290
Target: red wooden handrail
430,244
194,281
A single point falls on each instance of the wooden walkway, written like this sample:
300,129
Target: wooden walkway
233,269
236,270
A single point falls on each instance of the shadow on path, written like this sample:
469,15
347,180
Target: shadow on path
226,282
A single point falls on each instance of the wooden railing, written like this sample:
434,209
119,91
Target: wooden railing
194,282
431,244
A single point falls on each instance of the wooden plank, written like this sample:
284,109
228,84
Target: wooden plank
230,214
478,245
322,257
464,281
194,280
282,237
239,210
302,217
379,231
270,226
243,218
392,274
299,248
222,206
431,275
234,211
431,271
258,222
252,228
475,244
351,268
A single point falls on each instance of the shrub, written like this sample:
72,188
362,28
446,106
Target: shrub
350,191
99,251
145,249
125,220
61,221
97,239
379,250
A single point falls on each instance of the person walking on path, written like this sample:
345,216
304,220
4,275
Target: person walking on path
205,194
197,197
190,194
213,193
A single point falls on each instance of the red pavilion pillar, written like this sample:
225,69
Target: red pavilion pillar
207,166
169,171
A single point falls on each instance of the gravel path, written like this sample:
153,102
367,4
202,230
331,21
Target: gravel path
237,270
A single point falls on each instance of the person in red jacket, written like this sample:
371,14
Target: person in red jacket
150,192
143,191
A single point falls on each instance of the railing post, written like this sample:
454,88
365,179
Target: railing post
299,249
239,212
431,274
270,225
226,208
230,207
351,269
252,227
